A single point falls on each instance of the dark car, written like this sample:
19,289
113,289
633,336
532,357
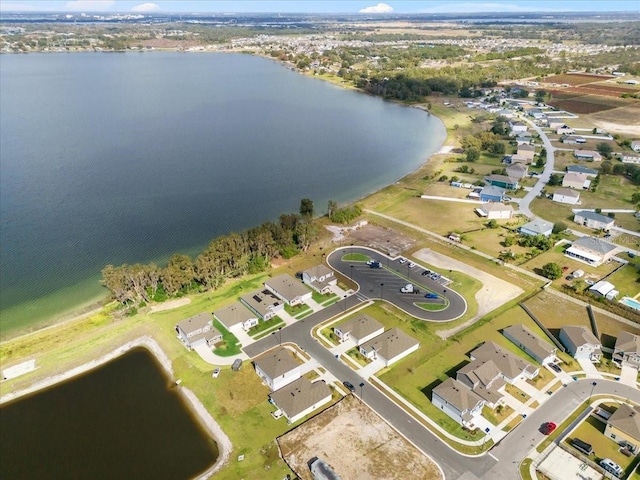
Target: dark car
299,275
555,367
373,264
548,428
349,385
425,273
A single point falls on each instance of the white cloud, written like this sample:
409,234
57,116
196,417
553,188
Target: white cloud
379,8
480,7
90,5
146,7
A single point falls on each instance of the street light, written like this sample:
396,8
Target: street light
381,285
361,385
279,332
345,303
593,385
351,274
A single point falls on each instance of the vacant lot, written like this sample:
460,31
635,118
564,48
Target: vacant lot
585,104
576,79
357,444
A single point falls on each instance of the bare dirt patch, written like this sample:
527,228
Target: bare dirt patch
357,444
380,238
170,305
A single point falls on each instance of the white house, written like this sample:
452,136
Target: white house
360,329
300,398
517,170
574,140
495,210
198,330
635,145
457,401
537,227
320,278
263,303
537,348
564,130
581,343
235,316
277,368
593,220
627,350
517,127
604,289
288,289
511,366
566,195
590,155
593,251
628,158
390,346
576,180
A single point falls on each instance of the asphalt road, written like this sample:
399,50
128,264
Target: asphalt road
385,283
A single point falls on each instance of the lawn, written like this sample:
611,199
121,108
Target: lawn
592,431
270,324
356,257
415,376
298,311
325,300
497,416
516,393
355,354
626,280
432,307
230,344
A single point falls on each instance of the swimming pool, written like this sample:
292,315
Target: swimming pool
630,302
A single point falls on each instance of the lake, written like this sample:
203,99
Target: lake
111,158
124,419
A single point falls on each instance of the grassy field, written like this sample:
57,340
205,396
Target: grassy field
626,280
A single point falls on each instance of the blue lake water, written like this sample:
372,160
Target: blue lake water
114,158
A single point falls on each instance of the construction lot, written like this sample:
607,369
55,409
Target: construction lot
357,444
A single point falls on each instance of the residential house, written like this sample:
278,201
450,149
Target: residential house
537,227
502,181
277,368
555,122
576,180
511,366
593,220
300,398
524,155
564,130
523,138
288,289
581,344
623,426
390,346
517,171
628,158
537,348
236,315
635,145
360,329
589,172
590,155
263,303
320,278
604,289
505,113
457,401
536,113
574,140
566,195
485,380
517,126
495,210
491,193
627,350
198,330
593,251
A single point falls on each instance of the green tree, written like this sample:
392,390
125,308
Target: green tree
559,227
552,271
497,148
332,206
604,149
635,198
178,274
472,154
306,208
555,179
492,223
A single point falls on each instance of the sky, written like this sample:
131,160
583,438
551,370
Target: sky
315,6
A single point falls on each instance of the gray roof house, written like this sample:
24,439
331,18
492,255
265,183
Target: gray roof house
593,220
566,195
236,315
288,289
360,329
390,346
320,278
581,343
623,426
593,251
484,379
277,368
517,170
264,303
576,180
537,227
300,398
589,172
627,350
537,348
457,401
198,330
510,365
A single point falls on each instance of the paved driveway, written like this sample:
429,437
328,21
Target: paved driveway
590,369
629,375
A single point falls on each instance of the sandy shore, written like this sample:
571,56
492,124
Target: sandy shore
223,442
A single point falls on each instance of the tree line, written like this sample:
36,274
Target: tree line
227,256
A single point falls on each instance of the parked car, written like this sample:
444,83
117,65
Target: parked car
373,264
425,273
584,447
589,282
349,386
548,428
611,467
555,367
411,264
216,372
299,275
431,295
402,260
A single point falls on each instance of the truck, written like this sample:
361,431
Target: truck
409,288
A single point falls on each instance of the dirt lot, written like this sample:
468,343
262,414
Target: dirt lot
381,239
573,79
357,444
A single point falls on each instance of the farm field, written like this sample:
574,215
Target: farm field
584,104
576,79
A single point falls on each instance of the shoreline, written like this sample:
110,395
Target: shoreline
197,408
91,307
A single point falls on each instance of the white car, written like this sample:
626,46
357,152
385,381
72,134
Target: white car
402,260
589,282
216,372
411,264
